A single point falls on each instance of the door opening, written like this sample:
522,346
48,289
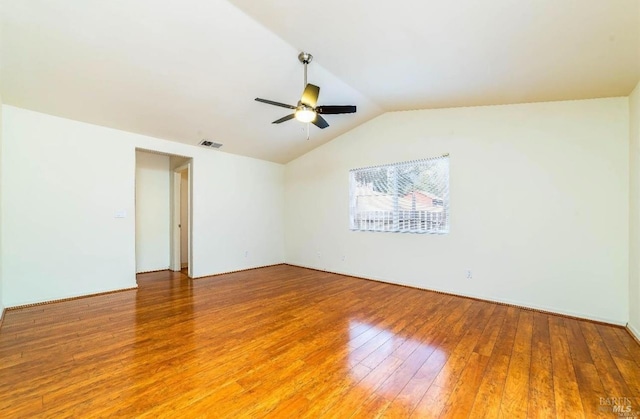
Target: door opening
181,220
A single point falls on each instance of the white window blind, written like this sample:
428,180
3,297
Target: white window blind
410,197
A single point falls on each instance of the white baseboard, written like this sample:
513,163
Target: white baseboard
634,331
154,270
238,270
480,297
75,297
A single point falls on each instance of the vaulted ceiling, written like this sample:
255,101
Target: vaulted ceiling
189,70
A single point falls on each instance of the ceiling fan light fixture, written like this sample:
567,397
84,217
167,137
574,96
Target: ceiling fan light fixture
308,109
305,114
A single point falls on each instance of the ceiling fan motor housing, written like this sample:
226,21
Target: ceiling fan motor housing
305,57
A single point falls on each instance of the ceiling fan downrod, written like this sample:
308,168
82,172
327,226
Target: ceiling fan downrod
305,58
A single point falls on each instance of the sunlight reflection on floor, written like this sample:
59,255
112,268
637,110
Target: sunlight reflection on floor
382,360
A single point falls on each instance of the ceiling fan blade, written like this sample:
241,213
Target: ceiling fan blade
271,102
330,110
284,118
320,122
310,95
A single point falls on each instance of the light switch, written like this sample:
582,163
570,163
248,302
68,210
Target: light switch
121,214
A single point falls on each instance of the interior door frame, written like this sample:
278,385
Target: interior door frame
176,179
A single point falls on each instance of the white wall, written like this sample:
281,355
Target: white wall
634,211
539,205
153,211
63,181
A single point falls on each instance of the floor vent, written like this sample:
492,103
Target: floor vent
211,144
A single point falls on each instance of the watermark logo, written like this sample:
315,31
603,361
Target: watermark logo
619,406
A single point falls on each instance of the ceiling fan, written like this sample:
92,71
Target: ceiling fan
307,109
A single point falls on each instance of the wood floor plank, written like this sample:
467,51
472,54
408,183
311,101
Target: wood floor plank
436,397
579,349
613,380
587,376
565,387
357,395
515,398
462,397
629,342
615,345
434,356
489,395
541,395
285,342
629,370
590,389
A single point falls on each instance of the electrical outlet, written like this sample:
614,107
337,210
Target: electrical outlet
246,253
469,275
319,255
343,257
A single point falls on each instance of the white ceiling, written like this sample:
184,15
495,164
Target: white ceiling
190,70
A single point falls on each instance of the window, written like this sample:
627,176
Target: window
411,197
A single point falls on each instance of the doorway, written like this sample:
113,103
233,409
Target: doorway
163,212
181,220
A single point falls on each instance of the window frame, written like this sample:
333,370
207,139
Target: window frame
435,220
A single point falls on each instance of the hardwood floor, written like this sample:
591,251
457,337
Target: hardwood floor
290,342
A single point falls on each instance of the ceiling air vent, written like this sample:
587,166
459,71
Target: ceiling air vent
211,144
